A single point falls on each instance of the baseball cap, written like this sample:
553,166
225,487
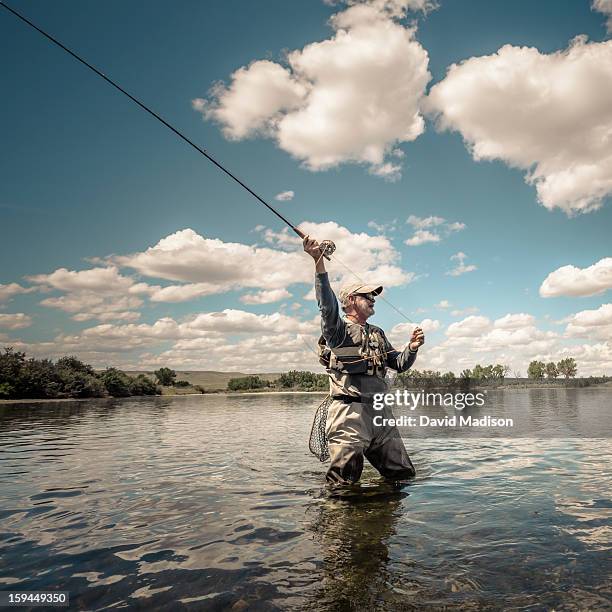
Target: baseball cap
354,288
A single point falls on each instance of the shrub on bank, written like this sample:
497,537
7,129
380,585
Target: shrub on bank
117,383
302,380
143,385
246,383
295,380
68,377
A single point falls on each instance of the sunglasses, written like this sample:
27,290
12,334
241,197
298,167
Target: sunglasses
367,296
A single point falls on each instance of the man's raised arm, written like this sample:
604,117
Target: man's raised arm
332,326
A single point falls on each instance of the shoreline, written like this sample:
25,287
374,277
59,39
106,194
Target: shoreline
172,395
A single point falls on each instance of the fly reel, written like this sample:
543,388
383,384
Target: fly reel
327,248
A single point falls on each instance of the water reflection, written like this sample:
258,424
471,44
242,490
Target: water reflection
353,526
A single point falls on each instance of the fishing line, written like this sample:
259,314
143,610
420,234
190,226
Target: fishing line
335,257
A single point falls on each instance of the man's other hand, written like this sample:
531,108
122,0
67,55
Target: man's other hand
417,339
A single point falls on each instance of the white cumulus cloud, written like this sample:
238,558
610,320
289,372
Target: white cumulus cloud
400,334
97,293
284,196
254,101
461,312
515,321
604,7
209,265
422,237
17,320
513,339
591,324
431,229
87,305
228,340
350,98
460,268
206,266
424,222
469,327
372,258
265,297
548,114
12,289
101,280
578,282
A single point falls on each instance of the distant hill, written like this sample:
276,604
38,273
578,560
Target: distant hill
208,379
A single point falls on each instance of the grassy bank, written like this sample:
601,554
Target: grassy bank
210,380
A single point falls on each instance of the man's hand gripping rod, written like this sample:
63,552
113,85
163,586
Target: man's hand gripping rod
327,247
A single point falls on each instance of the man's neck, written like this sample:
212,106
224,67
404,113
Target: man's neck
356,319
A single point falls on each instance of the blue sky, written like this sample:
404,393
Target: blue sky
366,136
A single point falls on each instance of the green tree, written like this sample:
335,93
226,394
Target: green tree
165,376
68,377
246,383
73,363
551,370
38,378
466,374
117,383
299,379
79,384
431,378
487,372
567,367
143,385
78,379
6,390
11,363
478,372
448,379
536,370
499,371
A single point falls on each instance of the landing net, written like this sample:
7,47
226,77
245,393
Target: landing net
318,440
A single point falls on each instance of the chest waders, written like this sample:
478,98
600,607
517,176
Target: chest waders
362,352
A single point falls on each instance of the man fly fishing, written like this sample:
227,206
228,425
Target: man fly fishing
357,355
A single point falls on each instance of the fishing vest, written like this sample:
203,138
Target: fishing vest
362,351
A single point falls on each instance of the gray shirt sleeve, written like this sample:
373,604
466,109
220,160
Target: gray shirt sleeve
332,326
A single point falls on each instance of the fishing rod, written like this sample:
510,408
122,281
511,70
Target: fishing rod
327,247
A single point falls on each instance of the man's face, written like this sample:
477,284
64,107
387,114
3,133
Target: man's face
363,304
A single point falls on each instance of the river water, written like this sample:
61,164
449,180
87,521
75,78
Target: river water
214,503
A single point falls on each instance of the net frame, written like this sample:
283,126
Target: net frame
317,442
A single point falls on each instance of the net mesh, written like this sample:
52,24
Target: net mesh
318,440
